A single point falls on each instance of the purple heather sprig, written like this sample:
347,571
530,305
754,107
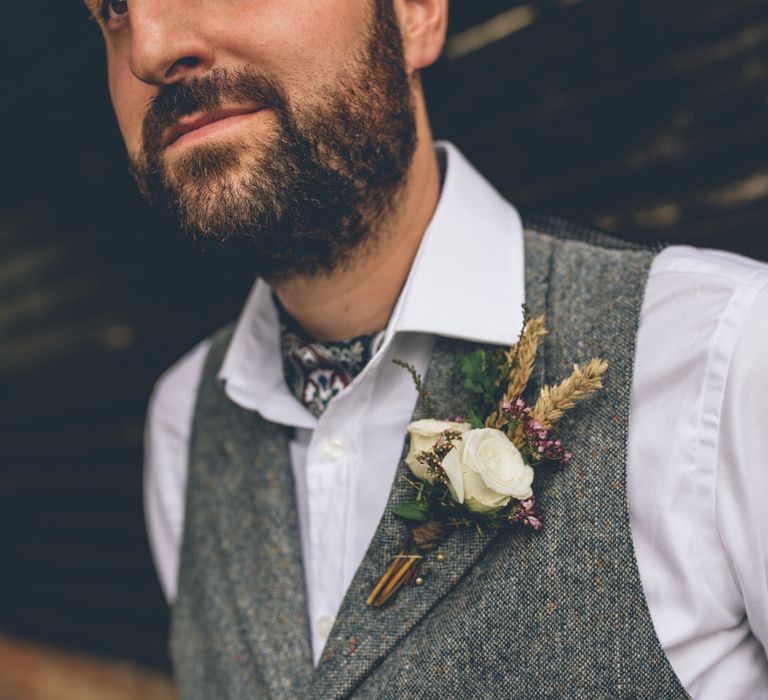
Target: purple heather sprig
541,445
527,513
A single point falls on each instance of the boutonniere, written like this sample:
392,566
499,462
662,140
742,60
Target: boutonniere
479,471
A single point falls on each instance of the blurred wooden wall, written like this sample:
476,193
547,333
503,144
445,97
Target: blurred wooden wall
648,117
645,117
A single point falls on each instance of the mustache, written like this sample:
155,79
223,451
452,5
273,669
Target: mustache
204,93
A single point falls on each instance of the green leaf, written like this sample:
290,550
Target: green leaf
474,419
413,510
474,367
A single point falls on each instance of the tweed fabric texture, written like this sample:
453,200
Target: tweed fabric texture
240,612
517,614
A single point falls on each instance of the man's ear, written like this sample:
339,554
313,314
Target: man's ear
424,24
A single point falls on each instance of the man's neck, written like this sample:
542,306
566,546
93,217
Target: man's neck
359,298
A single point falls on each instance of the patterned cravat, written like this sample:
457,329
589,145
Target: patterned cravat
316,371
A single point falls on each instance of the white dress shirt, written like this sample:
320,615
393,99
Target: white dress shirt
698,449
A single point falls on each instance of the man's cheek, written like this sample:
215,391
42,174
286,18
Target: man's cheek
129,99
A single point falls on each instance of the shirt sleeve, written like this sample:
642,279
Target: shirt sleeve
166,448
741,490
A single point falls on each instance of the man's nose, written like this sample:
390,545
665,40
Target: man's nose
167,44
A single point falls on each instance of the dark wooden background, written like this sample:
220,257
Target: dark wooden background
646,117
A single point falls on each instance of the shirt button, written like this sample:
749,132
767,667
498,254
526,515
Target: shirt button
323,626
333,448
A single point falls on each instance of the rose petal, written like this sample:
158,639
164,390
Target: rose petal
452,467
478,497
492,456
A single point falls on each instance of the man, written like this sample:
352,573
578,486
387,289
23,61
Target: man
273,448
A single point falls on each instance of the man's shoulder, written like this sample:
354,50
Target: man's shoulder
683,281
718,266
178,385
166,436
726,293
680,259
175,390
535,224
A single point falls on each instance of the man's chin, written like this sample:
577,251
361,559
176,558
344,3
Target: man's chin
202,164
206,187
217,208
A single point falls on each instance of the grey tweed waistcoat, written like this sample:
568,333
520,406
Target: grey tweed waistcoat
517,614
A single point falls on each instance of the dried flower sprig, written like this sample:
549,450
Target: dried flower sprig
433,459
520,373
527,512
531,437
554,401
424,401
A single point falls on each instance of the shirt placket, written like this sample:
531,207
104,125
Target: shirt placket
331,480
329,495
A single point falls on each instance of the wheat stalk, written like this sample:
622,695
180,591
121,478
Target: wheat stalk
522,367
554,401
526,357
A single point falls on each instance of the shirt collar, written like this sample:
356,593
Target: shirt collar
467,282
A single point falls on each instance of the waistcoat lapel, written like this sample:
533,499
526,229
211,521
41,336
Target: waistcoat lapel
250,619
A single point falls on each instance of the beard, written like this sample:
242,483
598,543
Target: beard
323,178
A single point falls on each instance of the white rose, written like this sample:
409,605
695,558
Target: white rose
485,470
424,433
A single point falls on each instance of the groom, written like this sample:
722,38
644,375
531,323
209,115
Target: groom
299,131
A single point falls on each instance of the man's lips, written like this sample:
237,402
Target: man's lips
199,121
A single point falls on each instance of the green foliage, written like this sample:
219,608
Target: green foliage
480,377
433,501
413,510
474,418
475,369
